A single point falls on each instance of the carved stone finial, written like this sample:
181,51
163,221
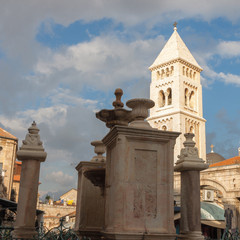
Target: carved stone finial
118,103
116,116
189,140
99,150
32,145
189,158
32,139
175,26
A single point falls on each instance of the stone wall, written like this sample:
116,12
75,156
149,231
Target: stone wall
53,213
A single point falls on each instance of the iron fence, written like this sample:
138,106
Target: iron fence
58,233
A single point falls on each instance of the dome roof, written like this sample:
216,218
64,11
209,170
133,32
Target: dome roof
213,157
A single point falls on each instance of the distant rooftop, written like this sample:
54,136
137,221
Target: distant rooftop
5,134
227,162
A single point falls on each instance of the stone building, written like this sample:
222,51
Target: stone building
177,92
53,213
8,147
70,197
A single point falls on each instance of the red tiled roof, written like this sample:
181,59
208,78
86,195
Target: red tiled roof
230,161
4,133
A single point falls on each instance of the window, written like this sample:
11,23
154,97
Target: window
169,92
161,99
191,100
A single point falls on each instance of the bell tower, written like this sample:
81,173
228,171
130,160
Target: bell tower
177,92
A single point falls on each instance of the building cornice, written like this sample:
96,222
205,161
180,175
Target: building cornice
180,60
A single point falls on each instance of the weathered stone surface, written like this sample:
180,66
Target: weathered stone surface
90,192
139,183
90,203
31,154
190,165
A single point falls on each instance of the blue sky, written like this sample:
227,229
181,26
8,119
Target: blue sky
61,61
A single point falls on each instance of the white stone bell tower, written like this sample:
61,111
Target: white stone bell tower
177,92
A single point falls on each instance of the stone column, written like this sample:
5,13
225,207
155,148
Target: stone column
90,199
31,154
139,178
190,165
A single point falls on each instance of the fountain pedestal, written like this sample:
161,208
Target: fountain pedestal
139,178
90,199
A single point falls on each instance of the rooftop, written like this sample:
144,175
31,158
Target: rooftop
174,49
5,134
230,161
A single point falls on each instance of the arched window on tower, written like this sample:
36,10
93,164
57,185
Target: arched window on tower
191,100
162,74
186,97
190,73
161,99
187,72
169,92
194,75
191,130
164,128
158,75
167,72
183,70
172,70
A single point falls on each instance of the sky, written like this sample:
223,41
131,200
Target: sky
60,62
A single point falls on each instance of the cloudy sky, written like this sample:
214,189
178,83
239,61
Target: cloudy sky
60,62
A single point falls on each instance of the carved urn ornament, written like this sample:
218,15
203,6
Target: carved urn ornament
139,112
99,150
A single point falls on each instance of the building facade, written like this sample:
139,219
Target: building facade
8,146
177,92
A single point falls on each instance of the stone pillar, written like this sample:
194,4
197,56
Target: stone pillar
139,179
90,198
190,165
31,154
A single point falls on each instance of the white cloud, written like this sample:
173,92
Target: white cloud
228,49
60,178
103,62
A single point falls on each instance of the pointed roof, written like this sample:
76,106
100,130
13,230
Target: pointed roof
5,134
175,49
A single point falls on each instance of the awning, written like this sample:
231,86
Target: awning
216,224
7,204
211,215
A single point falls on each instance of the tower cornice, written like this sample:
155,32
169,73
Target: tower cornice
177,112
180,60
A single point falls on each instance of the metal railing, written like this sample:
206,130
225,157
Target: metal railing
58,233
229,235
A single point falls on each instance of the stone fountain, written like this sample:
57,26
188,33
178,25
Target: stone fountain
139,175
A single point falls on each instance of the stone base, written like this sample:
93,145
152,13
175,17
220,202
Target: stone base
196,235
24,232
94,235
137,236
